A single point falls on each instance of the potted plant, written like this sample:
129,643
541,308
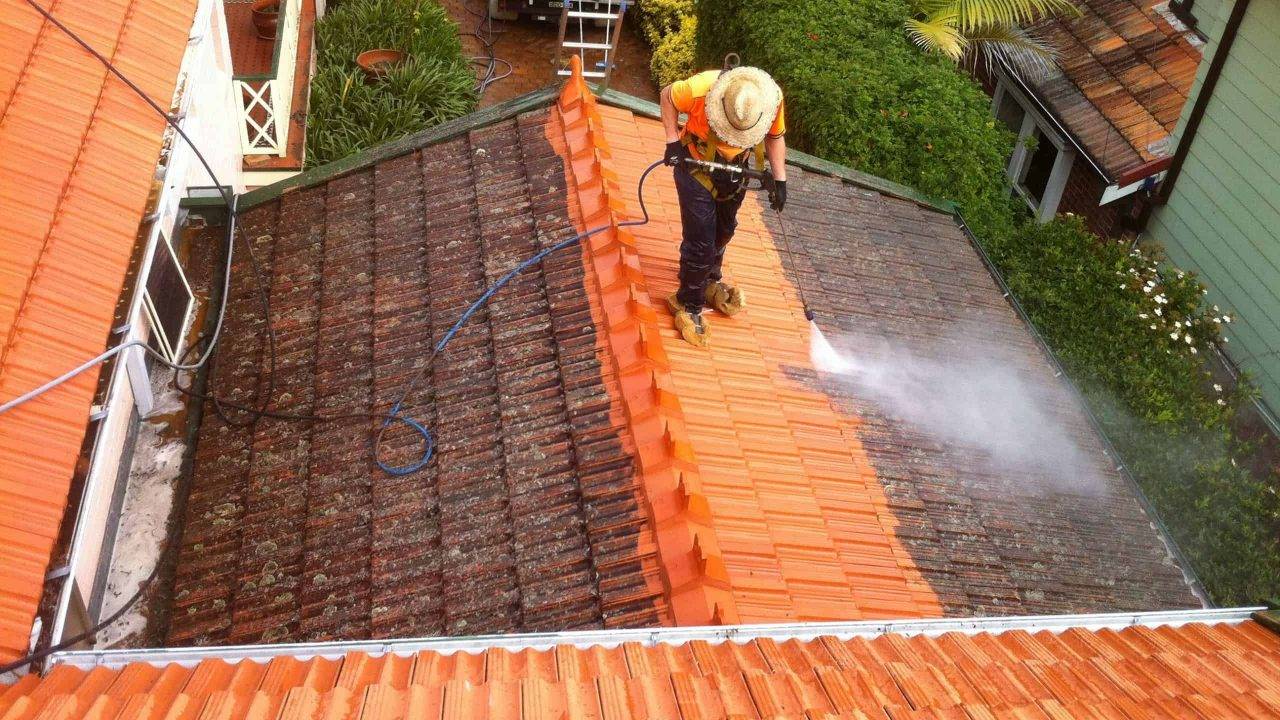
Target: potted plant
376,63
266,18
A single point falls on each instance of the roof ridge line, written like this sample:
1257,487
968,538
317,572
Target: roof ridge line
692,567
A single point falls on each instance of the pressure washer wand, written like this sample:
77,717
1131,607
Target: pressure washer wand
786,242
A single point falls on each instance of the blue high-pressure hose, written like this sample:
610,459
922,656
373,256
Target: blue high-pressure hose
428,440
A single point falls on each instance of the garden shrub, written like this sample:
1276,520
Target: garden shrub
1134,338
860,94
670,28
673,57
435,84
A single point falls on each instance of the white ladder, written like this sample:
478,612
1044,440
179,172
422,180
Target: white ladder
611,12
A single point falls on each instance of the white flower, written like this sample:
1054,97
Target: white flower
1226,318
1225,340
1142,316
1217,387
1123,286
1153,326
1221,401
1174,335
1194,351
1146,289
1215,309
1158,311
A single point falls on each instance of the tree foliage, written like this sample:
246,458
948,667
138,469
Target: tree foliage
994,29
1134,337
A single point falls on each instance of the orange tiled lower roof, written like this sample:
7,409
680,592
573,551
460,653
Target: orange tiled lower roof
758,486
78,150
1196,670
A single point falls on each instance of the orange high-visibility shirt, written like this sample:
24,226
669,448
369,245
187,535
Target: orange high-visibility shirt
689,96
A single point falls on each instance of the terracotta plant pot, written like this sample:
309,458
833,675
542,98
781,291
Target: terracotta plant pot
266,18
376,63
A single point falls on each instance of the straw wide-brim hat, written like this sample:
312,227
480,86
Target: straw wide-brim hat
741,106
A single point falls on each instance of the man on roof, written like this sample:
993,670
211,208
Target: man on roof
734,117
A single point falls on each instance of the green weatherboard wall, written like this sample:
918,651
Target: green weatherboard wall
1223,219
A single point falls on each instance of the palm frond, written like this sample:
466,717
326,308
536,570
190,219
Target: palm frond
938,34
1027,55
975,14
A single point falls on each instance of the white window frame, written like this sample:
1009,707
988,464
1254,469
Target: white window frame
1019,161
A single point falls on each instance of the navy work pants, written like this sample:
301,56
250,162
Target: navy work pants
708,228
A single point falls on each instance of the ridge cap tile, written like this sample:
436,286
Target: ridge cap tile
693,569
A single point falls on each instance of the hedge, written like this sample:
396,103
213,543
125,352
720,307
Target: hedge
670,28
860,94
1134,337
435,84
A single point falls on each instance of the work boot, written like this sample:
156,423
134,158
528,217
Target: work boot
725,297
691,325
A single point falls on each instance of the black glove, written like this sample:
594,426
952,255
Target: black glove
777,193
672,155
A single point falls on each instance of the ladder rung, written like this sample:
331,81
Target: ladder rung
588,46
585,73
592,15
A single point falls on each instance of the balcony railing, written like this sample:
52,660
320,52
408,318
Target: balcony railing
266,100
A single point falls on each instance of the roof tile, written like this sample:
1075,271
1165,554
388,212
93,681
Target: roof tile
1052,682
1125,75
77,153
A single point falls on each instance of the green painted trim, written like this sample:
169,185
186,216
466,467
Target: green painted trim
539,98
395,148
802,160
275,54
202,203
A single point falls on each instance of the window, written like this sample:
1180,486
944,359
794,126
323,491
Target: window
1041,160
167,299
1009,112
1037,169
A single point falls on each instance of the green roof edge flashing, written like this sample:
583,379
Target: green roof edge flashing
395,148
536,99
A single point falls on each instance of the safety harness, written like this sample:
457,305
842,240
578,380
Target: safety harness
706,150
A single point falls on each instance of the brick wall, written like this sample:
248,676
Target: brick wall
1082,194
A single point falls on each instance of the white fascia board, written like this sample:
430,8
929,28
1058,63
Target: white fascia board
1114,192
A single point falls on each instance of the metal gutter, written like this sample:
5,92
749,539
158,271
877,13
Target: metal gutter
1188,572
654,636
1220,55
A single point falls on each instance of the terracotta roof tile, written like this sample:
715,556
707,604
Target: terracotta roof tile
592,469
77,154
1124,76
893,675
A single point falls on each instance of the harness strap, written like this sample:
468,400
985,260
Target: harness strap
706,150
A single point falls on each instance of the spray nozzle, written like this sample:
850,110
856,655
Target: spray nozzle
808,315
